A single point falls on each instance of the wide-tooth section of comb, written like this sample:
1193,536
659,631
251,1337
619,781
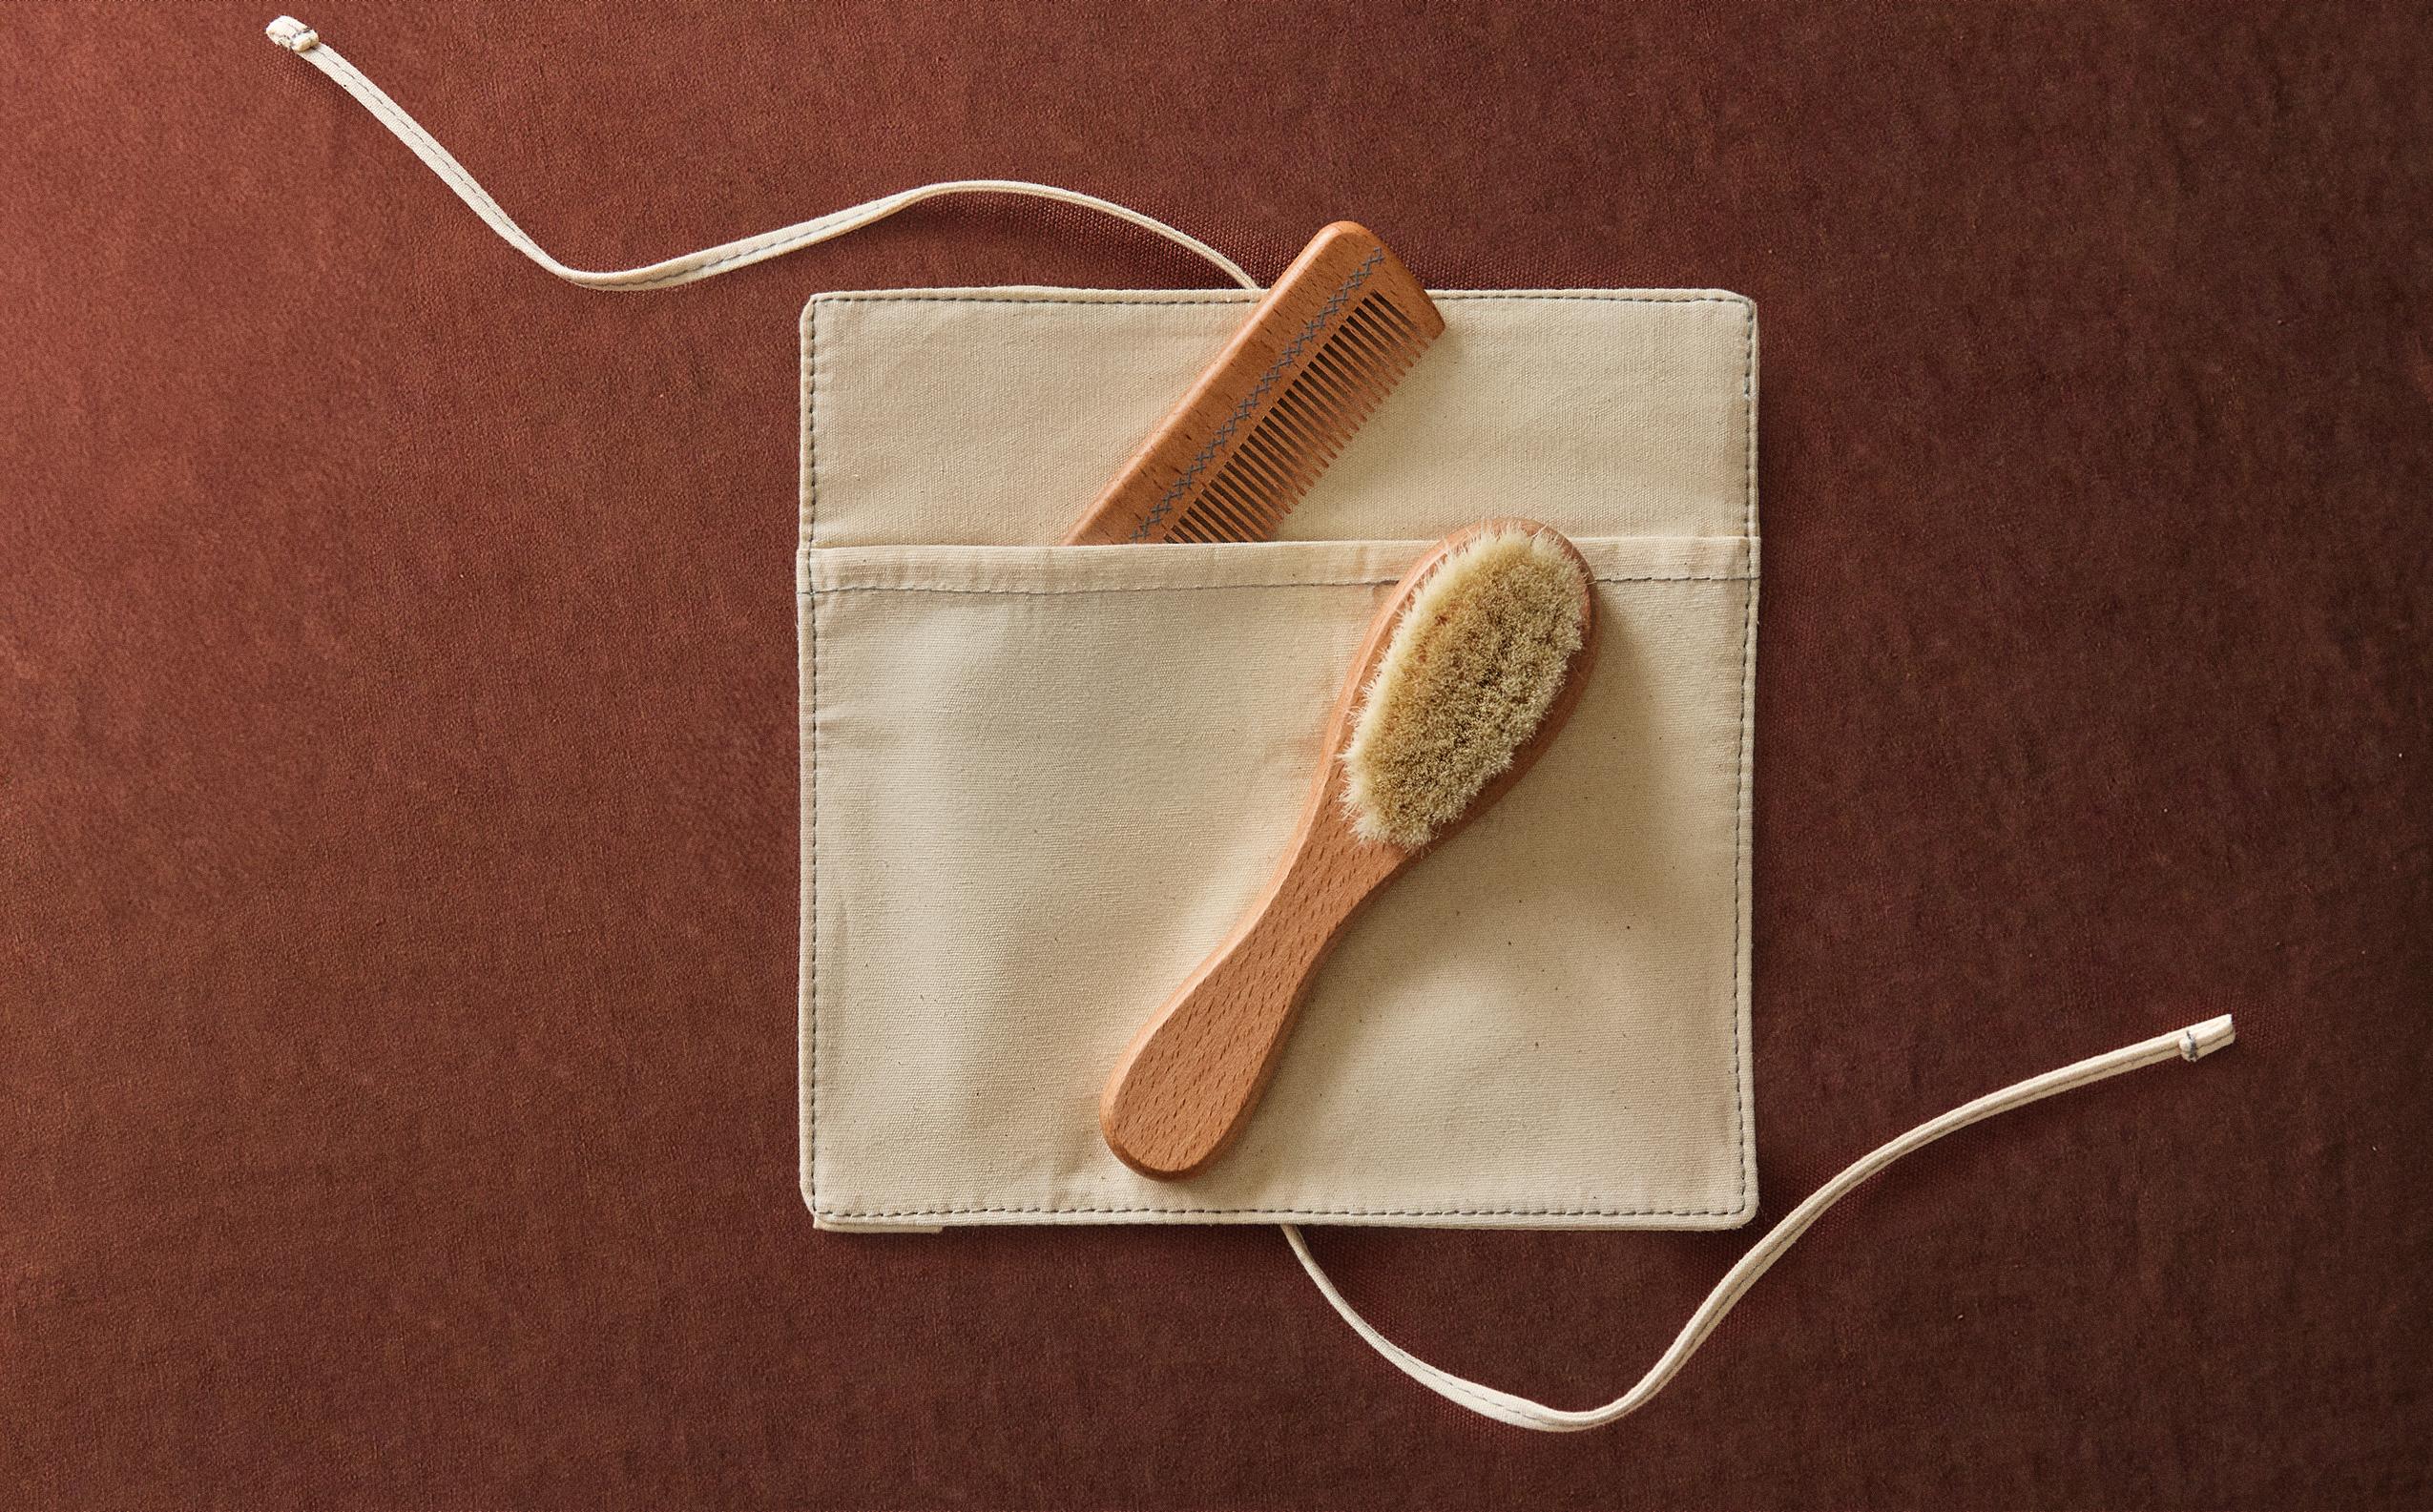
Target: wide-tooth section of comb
1321,350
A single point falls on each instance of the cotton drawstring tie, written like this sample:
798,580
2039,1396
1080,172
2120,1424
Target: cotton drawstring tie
2190,1044
710,261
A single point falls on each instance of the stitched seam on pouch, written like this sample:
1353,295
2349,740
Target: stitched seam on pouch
1748,667
1309,1213
810,529
1251,296
1208,587
1742,1121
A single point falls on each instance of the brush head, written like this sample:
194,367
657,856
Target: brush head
1474,668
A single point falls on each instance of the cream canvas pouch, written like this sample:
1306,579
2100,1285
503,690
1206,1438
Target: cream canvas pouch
1041,781
1038,780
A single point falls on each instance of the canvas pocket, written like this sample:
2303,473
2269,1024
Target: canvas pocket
1041,782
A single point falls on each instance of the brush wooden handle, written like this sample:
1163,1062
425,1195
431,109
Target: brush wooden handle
1186,1084
1190,1077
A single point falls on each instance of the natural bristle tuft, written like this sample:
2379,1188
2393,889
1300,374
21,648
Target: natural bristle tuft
1468,676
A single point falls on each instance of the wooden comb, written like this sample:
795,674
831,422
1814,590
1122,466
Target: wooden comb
1331,338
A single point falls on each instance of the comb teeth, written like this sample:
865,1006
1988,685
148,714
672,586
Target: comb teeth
1332,337
1276,461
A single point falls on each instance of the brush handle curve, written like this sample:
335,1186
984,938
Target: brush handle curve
1187,1083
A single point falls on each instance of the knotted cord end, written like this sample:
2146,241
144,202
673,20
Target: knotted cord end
292,34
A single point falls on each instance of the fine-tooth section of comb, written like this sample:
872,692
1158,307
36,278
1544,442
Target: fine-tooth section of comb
1324,346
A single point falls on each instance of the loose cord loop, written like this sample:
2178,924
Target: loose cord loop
305,43
2192,1042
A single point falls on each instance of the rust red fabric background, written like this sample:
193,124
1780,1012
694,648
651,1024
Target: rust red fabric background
398,770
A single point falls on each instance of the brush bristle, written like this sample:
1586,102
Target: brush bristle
1468,676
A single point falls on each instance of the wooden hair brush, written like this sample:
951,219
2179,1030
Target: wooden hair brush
1331,338
1471,666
